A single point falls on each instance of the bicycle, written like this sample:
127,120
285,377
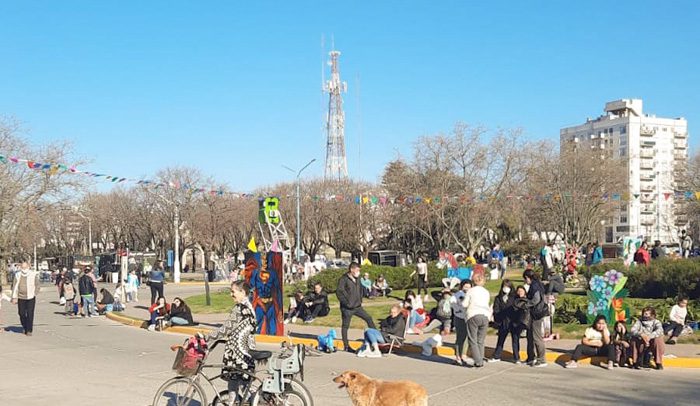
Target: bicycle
278,387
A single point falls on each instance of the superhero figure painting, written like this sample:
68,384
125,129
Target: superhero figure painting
263,272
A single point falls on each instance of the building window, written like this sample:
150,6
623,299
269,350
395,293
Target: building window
623,219
623,129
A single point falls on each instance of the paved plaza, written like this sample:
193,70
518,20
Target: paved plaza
103,362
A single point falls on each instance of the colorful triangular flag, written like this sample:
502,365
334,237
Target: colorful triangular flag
251,245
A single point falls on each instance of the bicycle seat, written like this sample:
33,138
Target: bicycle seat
260,355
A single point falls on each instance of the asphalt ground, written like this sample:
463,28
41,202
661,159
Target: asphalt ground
70,361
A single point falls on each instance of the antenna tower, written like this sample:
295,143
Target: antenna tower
336,162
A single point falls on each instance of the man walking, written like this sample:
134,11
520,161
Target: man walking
86,288
349,294
686,244
24,291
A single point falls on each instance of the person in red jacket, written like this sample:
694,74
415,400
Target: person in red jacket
158,311
642,257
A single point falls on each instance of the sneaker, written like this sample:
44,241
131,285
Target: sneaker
490,360
530,362
309,320
518,362
659,367
294,319
362,353
349,349
571,364
374,354
609,366
286,321
539,364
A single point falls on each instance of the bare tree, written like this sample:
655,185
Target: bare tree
24,191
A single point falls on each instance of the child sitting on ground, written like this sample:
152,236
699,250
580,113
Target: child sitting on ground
621,341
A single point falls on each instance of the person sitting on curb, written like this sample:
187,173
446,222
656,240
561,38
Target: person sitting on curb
394,324
315,304
366,283
296,307
106,302
679,311
158,311
179,314
440,316
621,341
596,341
381,287
647,335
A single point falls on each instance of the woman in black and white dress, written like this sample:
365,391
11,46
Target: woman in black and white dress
239,332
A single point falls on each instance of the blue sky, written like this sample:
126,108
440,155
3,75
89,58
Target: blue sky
234,87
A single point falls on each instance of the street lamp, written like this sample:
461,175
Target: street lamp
89,220
176,260
298,257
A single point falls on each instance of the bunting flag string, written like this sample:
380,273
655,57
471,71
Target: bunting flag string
361,199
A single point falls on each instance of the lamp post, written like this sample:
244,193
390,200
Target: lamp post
298,244
176,223
89,220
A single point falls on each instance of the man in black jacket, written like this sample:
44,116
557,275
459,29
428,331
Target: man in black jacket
86,288
315,304
349,294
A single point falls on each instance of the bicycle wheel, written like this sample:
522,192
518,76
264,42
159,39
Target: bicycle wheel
289,397
180,391
297,386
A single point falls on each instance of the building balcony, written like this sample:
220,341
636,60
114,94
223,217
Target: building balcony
647,222
646,187
647,144
645,131
647,198
646,164
680,220
647,208
679,135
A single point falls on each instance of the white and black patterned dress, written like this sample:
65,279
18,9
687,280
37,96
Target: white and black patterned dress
238,331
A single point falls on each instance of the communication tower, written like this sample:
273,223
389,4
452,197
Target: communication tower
336,162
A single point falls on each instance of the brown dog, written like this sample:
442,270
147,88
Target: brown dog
365,391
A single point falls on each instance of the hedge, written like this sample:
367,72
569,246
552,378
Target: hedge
397,277
663,278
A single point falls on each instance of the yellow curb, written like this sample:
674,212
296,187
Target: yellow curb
445,351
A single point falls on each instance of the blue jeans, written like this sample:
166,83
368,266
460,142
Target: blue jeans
178,321
89,305
415,319
372,337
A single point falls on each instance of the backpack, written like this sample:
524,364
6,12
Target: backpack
444,310
68,291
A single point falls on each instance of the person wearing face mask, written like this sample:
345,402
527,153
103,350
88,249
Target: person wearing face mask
503,316
538,311
647,335
349,294
460,321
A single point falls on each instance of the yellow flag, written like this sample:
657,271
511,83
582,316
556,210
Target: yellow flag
251,245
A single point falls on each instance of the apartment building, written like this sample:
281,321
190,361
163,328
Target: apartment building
652,149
